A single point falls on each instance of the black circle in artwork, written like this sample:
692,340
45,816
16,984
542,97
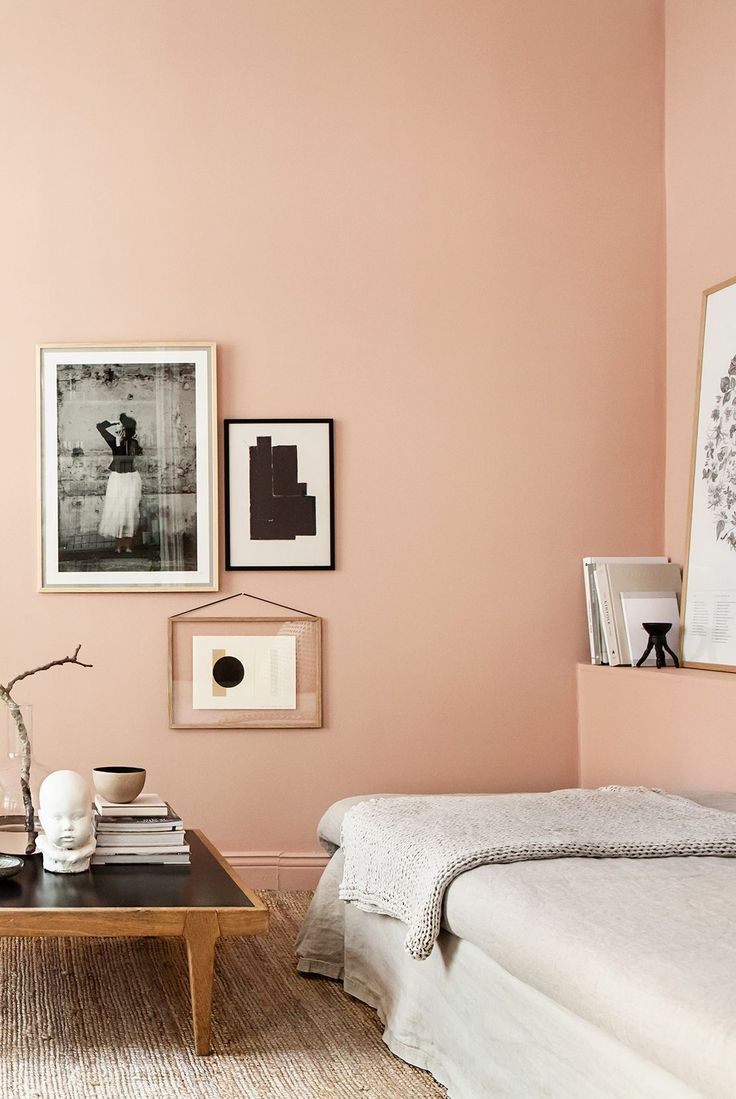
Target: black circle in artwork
228,671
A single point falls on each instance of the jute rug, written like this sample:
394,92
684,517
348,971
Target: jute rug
110,1019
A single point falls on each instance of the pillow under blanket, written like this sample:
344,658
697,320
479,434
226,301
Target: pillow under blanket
401,853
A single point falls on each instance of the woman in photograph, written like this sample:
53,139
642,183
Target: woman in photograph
121,512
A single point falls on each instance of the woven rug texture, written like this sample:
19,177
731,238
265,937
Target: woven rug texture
111,1019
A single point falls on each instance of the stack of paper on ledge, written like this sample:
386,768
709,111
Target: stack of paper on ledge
143,832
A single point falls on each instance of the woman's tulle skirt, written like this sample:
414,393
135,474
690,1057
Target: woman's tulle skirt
120,514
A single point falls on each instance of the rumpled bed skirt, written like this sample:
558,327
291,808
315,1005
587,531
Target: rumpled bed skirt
479,1030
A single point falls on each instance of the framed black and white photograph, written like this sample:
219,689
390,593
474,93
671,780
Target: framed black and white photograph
279,489
708,633
127,467
245,673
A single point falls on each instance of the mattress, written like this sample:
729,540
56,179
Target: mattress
642,951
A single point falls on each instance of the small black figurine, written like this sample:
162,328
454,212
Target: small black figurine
658,641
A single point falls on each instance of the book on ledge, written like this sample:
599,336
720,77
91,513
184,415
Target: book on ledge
613,579
596,634
145,805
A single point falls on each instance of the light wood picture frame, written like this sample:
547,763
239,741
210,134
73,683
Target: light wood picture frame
245,673
127,467
708,610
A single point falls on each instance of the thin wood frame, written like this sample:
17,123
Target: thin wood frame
211,348
313,723
691,492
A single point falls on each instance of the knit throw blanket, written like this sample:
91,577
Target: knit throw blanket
402,853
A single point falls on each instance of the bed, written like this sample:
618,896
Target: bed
574,977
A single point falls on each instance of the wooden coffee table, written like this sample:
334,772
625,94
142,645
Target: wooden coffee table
199,903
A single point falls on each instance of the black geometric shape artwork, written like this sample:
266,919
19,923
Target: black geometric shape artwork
228,671
279,506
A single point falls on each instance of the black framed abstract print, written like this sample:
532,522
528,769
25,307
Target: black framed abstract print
279,494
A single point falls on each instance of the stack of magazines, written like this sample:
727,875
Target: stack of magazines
143,832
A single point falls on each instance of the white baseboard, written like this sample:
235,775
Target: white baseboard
278,869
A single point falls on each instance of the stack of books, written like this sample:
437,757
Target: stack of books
144,832
620,594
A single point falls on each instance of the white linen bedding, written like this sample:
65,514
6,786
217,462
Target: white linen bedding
401,853
481,1031
630,963
645,951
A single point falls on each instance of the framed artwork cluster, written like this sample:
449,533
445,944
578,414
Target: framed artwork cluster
127,460
127,502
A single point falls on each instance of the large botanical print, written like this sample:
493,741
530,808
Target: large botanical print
708,635
719,459
128,467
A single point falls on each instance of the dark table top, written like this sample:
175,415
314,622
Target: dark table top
205,883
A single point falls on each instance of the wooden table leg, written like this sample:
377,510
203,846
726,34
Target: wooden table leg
201,932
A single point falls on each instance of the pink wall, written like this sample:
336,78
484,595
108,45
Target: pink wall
657,728
440,223
701,227
650,727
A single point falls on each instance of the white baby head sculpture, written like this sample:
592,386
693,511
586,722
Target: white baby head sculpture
65,812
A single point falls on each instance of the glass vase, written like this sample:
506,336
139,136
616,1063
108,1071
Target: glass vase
12,810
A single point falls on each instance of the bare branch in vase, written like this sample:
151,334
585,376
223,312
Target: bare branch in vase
25,740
